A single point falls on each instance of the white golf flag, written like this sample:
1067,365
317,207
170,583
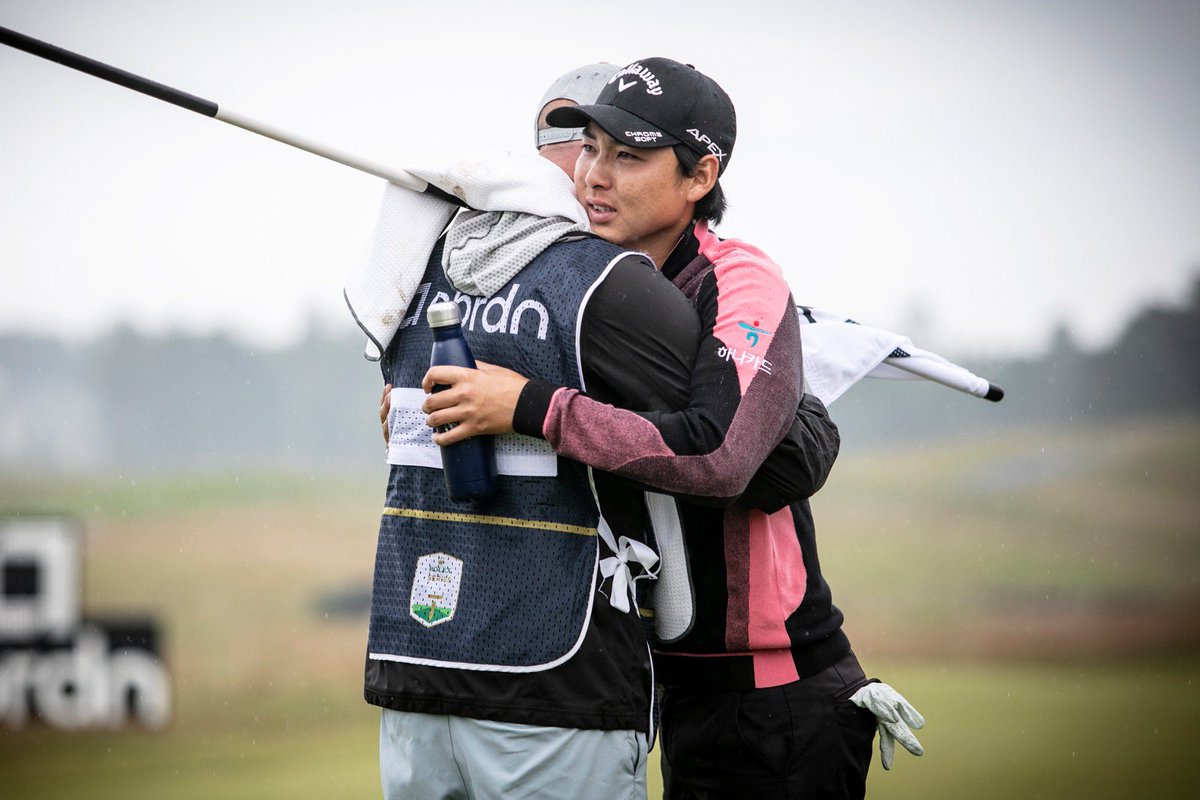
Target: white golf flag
839,352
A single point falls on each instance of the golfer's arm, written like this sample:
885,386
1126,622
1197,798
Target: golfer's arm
637,342
798,467
714,446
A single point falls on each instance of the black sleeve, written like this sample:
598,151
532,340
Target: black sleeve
638,339
637,344
798,466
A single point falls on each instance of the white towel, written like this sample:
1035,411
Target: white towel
381,285
839,352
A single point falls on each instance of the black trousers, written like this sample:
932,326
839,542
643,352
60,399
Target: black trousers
801,740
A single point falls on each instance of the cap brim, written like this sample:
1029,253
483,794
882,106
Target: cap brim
626,128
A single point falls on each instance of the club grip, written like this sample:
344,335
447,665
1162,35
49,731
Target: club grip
103,71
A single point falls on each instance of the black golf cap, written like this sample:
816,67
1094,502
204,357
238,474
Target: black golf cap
657,102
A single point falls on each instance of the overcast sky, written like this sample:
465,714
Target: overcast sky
969,173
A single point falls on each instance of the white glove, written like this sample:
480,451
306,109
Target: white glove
894,715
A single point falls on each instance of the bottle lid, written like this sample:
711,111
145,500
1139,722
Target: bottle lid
443,315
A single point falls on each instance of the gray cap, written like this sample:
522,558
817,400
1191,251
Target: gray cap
581,85
443,315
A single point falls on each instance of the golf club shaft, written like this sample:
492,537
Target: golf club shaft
210,109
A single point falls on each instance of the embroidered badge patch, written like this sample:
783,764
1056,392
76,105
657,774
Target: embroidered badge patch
435,589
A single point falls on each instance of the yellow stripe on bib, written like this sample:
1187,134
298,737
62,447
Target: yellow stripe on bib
481,519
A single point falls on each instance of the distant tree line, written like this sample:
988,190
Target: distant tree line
127,400
130,400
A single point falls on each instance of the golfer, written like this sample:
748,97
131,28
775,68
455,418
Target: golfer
757,670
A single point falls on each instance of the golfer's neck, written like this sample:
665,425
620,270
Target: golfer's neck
660,245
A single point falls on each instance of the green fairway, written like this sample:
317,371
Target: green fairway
251,758
1035,597
1114,730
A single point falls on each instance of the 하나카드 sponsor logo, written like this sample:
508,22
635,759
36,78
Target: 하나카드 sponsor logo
744,357
753,332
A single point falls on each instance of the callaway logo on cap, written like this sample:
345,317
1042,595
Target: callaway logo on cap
657,102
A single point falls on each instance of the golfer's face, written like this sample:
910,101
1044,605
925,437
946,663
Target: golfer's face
634,197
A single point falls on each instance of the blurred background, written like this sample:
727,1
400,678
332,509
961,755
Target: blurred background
1014,185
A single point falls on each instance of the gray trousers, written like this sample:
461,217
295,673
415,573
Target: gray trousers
440,757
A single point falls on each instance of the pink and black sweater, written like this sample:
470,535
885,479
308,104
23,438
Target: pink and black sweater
763,614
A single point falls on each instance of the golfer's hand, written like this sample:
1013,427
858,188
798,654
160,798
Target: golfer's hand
895,716
478,401
385,407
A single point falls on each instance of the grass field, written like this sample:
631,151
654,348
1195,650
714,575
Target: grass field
1036,598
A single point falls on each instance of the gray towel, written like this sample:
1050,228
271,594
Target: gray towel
486,249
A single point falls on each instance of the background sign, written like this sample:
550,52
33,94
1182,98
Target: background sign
71,672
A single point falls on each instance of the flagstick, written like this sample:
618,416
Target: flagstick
952,376
210,109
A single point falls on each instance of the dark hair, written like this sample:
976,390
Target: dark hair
711,207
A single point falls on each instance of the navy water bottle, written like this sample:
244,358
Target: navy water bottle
469,465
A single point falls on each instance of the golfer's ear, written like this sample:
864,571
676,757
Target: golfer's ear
704,178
